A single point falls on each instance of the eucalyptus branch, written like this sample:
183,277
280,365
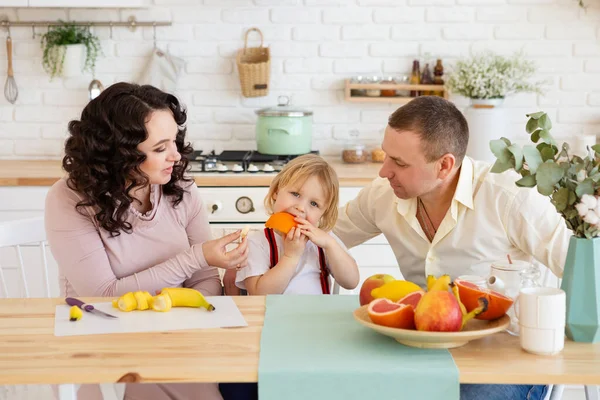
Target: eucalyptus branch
571,182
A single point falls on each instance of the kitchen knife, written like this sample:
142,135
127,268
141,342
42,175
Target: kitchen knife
87,307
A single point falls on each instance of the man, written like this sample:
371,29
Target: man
444,213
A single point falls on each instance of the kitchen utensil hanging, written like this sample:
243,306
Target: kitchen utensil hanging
162,69
11,91
254,67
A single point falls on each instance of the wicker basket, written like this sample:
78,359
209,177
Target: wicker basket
254,66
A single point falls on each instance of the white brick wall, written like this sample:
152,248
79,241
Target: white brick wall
315,45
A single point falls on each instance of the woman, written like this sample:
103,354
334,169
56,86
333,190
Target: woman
125,218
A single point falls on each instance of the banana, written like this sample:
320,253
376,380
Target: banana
185,297
442,283
162,302
75,313
244,232
127,302
169,297
467,316
140,300
430,281
463,309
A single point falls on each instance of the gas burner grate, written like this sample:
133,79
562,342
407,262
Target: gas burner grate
242,157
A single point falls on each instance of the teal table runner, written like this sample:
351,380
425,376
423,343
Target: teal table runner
312,348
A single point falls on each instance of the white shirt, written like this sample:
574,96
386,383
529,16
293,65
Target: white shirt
306,279
489,218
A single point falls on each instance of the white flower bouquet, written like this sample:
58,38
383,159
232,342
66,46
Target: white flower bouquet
490,76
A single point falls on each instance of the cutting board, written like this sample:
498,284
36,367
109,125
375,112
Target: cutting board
225,315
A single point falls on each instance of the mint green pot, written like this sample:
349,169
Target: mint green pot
581,283
284,130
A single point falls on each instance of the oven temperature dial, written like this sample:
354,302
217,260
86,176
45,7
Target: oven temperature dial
244,205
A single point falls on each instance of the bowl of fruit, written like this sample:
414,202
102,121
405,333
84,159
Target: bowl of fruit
436,318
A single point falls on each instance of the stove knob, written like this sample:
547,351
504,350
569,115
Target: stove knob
268,168
215,207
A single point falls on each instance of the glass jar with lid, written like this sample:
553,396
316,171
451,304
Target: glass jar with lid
388,92
374,92
377,154
403,80
354,152
358,92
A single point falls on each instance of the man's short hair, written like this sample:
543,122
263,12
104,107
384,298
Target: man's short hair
441,127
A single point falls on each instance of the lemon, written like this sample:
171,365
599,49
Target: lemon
395,290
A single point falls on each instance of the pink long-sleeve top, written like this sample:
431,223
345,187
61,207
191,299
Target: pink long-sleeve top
163,250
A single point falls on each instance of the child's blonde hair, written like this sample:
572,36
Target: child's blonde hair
298,171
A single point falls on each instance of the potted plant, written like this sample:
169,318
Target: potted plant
64,47
573,185
487,78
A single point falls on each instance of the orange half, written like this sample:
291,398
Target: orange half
282,222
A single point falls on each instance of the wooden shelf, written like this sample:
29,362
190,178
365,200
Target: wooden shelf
394,99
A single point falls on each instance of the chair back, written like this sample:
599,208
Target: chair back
23,258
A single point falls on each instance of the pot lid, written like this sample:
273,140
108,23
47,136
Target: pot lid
516,265
283,109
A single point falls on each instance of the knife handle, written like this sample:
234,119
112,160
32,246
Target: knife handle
76,302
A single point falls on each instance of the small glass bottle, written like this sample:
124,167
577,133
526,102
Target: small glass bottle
426,79
438,73
415,77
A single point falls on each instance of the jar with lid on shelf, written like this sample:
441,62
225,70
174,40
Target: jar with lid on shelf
377,155
403,80
354,152
373,80
388,92
358,92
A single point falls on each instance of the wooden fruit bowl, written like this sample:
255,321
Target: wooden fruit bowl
474,329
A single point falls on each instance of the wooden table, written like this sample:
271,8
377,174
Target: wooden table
31,354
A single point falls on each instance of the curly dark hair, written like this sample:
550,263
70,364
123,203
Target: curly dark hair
101,155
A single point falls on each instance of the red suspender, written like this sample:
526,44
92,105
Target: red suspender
274,256
272,246
324,272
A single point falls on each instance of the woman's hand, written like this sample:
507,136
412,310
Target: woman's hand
317,236
294,243
216,254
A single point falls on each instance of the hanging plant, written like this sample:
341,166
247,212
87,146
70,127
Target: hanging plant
59,36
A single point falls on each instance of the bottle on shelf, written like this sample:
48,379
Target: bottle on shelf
415,77
426,79
438,73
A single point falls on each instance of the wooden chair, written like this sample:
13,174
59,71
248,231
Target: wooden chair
26,237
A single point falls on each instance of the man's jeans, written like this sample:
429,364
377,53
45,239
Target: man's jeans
503,392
